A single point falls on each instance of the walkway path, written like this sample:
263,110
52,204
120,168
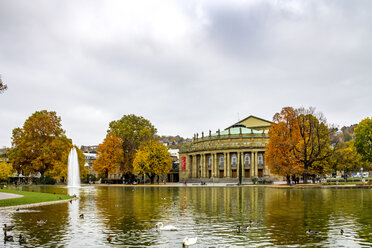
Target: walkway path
9,196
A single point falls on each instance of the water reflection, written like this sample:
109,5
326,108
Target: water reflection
127,215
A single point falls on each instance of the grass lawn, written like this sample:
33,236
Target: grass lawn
30,198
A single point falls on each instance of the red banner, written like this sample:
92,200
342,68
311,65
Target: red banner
183,163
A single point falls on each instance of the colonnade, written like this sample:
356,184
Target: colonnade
219,164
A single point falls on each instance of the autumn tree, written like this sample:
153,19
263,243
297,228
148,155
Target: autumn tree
152,159
109,155
363,139
6,170
41,146
3,86
301,137
133,131
284,135
313,150
346,158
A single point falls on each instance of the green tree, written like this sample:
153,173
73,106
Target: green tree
41,146
6,170
363,139
133,131
346,158
152,159
109,155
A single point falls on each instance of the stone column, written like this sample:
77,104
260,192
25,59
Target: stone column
255,164
252,165
228,165
203,166
215,163
238,164
188,166
224,164
193,170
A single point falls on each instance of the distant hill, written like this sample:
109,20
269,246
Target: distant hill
174,142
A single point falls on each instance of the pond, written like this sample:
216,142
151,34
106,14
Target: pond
278,217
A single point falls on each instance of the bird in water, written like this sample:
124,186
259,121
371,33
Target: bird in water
41,222
17,209
342,231
22,240
109,239
241,228
71,201
189,241
7,228
7,237
81,216
160,226
311,232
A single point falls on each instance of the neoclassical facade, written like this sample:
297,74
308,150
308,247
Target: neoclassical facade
218,155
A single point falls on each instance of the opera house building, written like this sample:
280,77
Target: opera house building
218,155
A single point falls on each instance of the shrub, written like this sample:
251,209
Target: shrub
45,180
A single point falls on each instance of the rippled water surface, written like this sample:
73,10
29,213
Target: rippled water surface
128,215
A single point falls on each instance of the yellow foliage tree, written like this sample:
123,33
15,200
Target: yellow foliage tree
42,146
109,155
6,170
152,159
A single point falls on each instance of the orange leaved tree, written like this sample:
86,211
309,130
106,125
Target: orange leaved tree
109,155
284,135
298,143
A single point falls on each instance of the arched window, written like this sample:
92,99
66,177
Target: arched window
260,159
247,159
233,160
220,160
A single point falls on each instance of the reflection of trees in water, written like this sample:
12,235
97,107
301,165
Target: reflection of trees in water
290,212
51,233
127,211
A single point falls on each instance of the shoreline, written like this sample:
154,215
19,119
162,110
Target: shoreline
35,204
279,186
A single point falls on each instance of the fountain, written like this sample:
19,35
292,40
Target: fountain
73,179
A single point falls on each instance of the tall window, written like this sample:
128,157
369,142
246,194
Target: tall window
220,160
260,159
247,159
210,162
233,160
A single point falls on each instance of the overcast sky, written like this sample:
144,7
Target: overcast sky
187,66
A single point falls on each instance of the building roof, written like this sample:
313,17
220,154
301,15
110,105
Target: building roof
252,122
236,131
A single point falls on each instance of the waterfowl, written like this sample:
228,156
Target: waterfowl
189,241
109,239
7,237
311,232
160,226
22,239
7,228
241,228
70,201
17,209
41,222
342,231
81,216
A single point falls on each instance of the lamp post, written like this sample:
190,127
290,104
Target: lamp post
361,171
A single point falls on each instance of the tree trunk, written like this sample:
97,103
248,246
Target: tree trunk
288,179
152,177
